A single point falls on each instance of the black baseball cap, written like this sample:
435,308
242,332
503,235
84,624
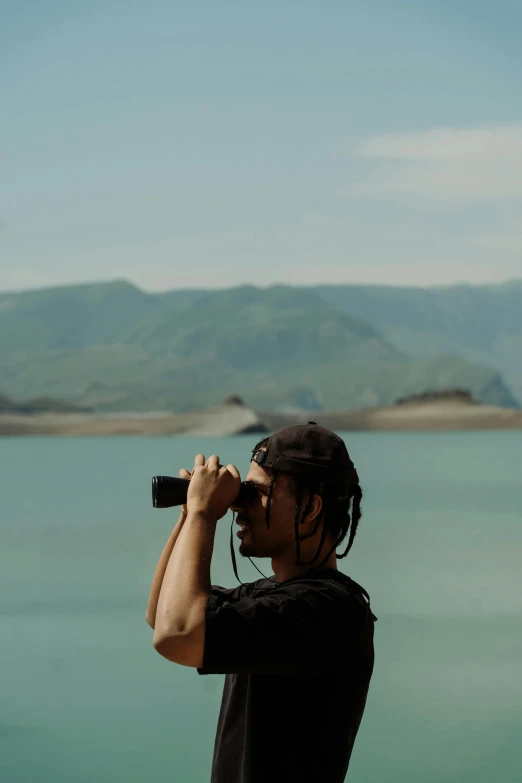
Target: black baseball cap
308,450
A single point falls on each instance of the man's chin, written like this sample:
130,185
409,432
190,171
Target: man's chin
246,550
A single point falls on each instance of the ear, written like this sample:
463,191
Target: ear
314,513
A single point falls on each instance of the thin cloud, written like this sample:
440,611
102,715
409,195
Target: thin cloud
447,165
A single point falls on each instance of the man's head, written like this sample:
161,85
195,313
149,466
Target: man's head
305,481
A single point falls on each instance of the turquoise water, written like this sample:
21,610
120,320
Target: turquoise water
84,696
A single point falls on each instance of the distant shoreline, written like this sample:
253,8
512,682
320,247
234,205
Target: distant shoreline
433,416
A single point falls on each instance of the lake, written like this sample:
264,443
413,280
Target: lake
85,697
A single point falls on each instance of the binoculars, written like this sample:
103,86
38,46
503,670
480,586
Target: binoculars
169,491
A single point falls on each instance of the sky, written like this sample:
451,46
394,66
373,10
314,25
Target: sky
211,143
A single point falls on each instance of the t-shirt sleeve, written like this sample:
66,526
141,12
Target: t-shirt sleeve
289,631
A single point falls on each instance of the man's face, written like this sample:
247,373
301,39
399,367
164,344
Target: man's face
279,539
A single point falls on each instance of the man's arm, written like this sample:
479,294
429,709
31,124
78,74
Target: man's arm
186,585
161,567
179,634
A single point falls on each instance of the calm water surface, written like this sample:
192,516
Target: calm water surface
84,697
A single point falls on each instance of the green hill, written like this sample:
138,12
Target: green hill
114,347
482,324
71,318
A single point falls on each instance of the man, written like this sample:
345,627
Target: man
297,649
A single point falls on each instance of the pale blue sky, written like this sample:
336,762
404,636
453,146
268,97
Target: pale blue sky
212,143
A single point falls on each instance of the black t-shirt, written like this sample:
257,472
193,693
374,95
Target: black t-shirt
298,658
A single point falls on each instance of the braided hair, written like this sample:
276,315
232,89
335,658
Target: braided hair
341,512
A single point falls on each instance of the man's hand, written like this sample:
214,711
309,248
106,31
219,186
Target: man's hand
213,487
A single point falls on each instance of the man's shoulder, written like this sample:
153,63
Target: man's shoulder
329,591
326,582
329,587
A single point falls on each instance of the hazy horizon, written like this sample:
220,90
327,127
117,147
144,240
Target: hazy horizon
295,284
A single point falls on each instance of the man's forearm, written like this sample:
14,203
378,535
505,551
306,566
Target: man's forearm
159,573
186,586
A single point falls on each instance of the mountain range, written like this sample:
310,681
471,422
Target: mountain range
111,346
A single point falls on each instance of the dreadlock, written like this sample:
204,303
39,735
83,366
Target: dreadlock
269,500
340,513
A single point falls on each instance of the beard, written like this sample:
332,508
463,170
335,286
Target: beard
246,549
